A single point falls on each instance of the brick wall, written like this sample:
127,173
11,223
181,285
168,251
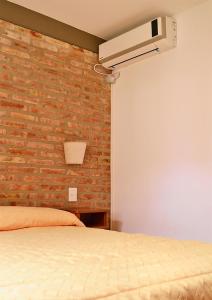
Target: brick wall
49,94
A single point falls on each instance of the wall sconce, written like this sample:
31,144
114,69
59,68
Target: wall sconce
74,152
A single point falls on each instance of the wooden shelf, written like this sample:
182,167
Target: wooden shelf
96,218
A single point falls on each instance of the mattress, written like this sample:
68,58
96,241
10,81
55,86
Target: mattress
73,263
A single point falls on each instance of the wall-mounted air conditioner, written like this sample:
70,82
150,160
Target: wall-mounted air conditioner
146,40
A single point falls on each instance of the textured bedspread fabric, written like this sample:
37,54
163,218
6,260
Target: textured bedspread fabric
73,263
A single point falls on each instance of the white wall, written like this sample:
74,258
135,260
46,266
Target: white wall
162,137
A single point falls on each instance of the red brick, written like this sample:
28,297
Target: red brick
12,105
6,177
17,134
38,127
40,145
24,99
30,178
12,51
47,187
23,116
12,124
52,138
52,171
55,155
3,95
22,152
2,131
50,121
23,187
18,36
13,142
9,159
4,41
22,170
41,162
52,196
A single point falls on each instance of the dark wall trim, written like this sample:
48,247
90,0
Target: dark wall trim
37,22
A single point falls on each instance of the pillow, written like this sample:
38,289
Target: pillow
16,217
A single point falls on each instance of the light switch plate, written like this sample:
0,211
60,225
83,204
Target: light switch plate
72,194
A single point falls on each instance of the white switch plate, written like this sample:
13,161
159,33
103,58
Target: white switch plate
72,194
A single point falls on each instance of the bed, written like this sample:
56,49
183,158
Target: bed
55,257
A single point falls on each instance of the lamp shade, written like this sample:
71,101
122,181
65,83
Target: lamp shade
74,152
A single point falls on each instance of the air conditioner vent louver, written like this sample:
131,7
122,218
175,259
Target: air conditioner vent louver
134,57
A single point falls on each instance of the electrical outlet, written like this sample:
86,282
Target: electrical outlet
72,194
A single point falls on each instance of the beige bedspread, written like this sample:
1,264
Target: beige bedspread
67,263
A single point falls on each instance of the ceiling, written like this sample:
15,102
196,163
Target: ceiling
106,18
